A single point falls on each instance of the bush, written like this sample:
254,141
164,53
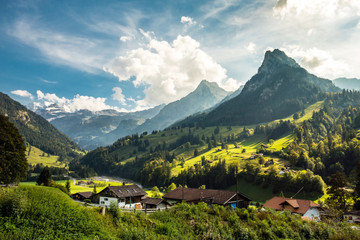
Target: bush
12,202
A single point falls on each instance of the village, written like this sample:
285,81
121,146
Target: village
133,198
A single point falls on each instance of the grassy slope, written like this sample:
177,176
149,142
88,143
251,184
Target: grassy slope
36,157
250,144
47,213
261,195
80,188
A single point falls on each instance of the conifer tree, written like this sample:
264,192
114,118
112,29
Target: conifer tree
13,164
44,177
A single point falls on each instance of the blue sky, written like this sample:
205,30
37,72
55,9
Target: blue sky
132,55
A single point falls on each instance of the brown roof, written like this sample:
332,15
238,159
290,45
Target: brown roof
300,205
127,191
84,194
195,194
354,213
152,201
292,202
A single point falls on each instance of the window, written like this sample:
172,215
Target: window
102,202
105,199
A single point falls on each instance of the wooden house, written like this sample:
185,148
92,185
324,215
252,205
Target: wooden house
81,196
209,196
125,196
305,208
155,203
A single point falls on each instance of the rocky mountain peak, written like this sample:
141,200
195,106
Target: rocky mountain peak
210,87
274,59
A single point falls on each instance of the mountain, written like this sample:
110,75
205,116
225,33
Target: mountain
94,129
36,130
206,95
279,88
348,83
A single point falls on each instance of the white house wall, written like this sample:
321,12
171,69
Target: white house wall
313,213
106,201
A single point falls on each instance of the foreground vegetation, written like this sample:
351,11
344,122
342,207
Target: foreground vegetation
33,212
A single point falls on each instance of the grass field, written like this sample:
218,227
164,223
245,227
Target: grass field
37,156
236,155
81,188
259,194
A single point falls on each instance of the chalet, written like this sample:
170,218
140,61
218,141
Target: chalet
268,163
155,203
81,196
305,208
352,216
125,196
209,196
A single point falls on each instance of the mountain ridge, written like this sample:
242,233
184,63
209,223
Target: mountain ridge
279,88
206,95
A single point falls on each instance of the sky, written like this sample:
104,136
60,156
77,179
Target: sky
133,55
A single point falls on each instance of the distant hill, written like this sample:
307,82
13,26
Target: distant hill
205,96
280,88
36,130
94,129
348,83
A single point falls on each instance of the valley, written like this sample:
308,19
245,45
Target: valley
216,119
290,146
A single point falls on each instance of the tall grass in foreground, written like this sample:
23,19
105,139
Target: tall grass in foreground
33,212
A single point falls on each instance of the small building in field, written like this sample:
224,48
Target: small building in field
155,203
81,196
305,208
268,163
352,216
125,196
209,196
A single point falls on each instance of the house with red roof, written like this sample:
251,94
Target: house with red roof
306,208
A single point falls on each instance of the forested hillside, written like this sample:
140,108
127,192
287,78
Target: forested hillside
297,146
36,130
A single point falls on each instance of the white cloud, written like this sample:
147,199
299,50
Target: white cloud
169,71
316,9
23,93
118,95
251,47
48,81
77,52
310,32
317,61
187,20
125,38
75,104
